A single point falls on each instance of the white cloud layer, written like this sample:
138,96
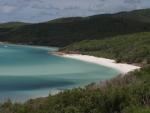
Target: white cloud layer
43,10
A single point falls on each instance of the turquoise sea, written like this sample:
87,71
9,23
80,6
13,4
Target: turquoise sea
30,71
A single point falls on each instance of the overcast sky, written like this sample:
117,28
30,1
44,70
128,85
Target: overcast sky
44,10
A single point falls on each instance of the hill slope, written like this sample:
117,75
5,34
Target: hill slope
61,32
134,48
138,15
7,27
12,24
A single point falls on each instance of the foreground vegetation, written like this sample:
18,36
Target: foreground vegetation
134,48
64,31
128,94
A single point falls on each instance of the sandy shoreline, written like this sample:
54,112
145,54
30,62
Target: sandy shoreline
122,67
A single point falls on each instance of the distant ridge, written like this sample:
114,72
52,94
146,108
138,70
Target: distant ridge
64,31
12,24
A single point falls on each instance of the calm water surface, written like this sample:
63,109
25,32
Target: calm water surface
29,72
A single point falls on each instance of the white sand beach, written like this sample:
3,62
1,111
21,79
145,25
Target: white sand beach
122,67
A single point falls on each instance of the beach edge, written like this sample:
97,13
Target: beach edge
123,68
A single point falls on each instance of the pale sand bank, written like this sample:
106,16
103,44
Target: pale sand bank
123,68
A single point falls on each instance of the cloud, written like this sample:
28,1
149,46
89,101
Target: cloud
7,9
132,1
43,10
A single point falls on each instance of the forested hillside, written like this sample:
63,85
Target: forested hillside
133,48
61,32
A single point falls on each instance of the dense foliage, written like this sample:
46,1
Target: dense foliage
7,27
128,94
133,48
61,32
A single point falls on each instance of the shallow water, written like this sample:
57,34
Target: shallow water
29,71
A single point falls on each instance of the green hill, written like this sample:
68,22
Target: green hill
64,31
7,27
134,48
12,24
138,15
